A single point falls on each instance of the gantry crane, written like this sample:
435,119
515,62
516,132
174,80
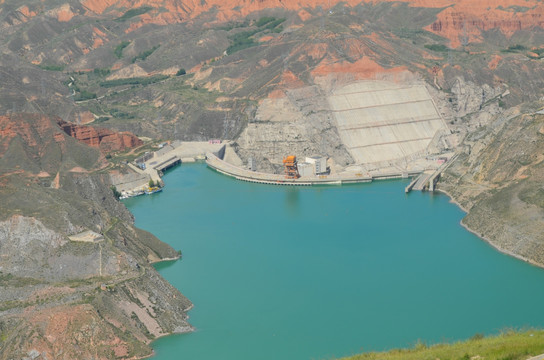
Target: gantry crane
291,170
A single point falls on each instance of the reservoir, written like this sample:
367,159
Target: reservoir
281,272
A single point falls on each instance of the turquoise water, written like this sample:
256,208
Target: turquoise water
320,272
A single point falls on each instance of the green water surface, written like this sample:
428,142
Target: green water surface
320,272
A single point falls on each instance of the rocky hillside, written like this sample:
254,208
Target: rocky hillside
498,180
197,70
66,299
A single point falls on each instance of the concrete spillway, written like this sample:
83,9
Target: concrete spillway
384,121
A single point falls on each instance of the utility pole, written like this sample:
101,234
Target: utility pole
100,260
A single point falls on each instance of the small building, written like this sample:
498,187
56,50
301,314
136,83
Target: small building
252,164
319,164
305,169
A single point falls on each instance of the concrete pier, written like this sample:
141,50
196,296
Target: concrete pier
158,162
428,179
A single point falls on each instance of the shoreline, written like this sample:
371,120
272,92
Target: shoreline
486,239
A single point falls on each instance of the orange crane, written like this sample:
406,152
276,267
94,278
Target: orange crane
291,170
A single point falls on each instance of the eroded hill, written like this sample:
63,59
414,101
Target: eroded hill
66,296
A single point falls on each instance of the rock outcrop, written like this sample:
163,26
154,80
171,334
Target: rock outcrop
104,139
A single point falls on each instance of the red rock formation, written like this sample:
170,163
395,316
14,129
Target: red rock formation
464,20
460,20
104,139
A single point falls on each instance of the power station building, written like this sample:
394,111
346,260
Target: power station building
319,164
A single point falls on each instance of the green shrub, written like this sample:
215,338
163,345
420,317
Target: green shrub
116,193
244,39
52,67
84,95
101,72
143,55
134,81
181,72
118,51
436,47
515,48
134,12
264,20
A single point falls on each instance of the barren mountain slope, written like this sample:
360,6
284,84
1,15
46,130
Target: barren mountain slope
498,180
68,299
116,62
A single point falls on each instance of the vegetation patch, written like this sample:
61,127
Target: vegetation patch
144,55
134,81
101,72
116,113
515,8
245,39
51,67
84,95
134,12
234,25
118,51
436,47
515,49
509,345
15,281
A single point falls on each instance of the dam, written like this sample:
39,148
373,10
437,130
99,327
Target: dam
365,128
382,121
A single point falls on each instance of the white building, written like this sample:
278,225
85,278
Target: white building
319,164
305,169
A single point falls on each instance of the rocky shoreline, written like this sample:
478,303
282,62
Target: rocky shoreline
486,239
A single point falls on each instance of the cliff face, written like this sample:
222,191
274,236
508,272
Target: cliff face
68,299
104,139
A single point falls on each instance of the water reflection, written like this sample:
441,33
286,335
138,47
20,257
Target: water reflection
292,200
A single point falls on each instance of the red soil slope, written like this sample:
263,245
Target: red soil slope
459,21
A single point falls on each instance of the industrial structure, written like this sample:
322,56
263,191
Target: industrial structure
305,169
319,164
291,169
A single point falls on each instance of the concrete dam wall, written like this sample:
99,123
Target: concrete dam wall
383,121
